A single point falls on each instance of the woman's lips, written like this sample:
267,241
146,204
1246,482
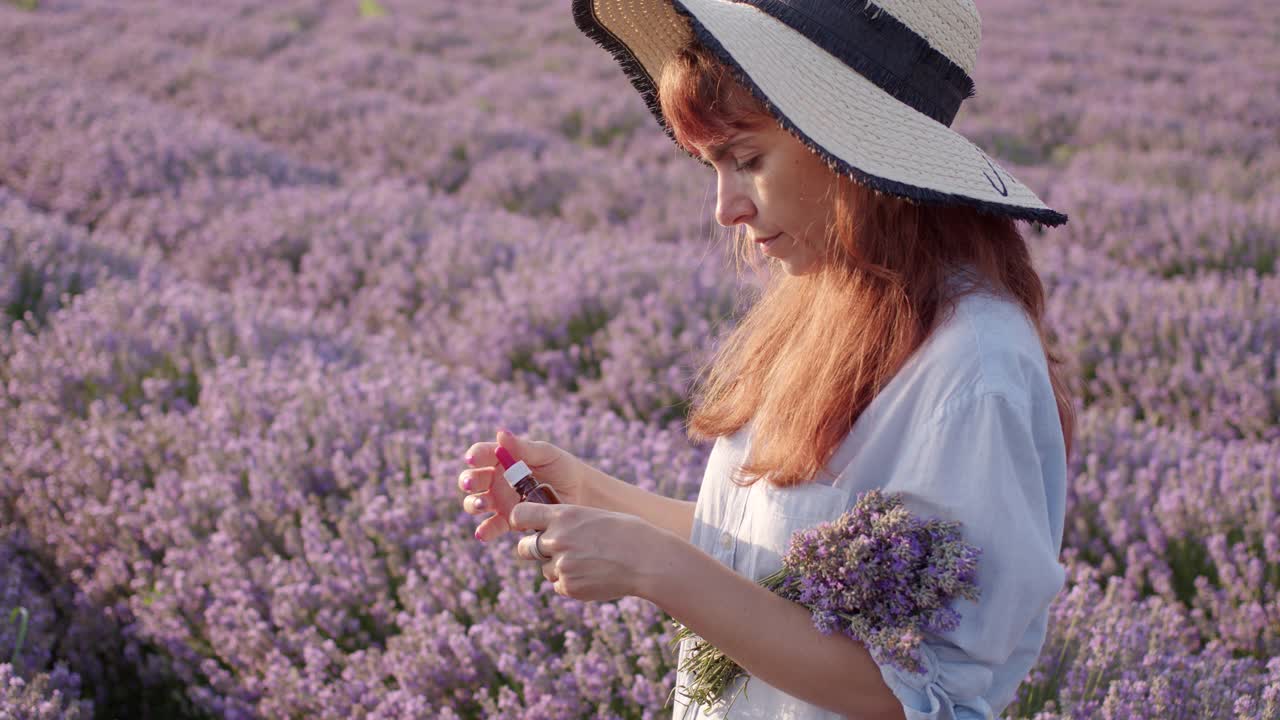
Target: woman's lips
765,240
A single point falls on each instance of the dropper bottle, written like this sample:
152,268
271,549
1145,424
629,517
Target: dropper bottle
525,484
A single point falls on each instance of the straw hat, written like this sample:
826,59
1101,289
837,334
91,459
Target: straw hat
872,88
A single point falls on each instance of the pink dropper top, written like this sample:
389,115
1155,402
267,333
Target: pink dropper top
523,481
505,458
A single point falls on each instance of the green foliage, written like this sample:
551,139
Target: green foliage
371,9
571,125
31,296
1042,695
185,385
30,291
585,324
1188,560
603,137
20,616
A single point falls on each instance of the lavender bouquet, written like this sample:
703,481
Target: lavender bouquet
878,574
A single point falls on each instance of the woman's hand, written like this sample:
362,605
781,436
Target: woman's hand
490,491
595,554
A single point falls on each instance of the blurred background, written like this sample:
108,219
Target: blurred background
268,269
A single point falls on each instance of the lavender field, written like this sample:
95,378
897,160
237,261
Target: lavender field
257,266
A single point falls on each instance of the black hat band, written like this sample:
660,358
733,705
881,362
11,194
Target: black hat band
880,48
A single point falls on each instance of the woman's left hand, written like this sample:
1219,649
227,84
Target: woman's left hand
595,554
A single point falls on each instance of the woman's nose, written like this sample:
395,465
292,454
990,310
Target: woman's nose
733,206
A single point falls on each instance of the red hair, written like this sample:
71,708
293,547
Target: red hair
812,352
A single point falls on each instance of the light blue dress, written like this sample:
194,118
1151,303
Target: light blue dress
967,431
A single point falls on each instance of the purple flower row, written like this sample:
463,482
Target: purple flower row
43,259
536,302
170,480
1138,509
1198,352
455,143
1121,77
67,147
1112,653
1165,231
290,542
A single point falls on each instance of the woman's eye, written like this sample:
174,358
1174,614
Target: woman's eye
751,164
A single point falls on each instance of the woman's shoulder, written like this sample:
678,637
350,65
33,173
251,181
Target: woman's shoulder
984,344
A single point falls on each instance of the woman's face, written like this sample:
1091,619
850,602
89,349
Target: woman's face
770,182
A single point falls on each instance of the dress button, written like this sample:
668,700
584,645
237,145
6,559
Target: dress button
726,540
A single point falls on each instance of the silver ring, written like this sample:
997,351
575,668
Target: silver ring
536,551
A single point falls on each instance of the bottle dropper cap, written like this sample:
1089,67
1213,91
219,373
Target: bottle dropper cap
514,470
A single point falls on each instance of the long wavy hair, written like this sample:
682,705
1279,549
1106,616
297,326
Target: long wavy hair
812,351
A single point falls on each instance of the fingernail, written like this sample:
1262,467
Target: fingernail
477,534
466,484
470,460
480,503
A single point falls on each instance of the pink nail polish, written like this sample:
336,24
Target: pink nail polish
470,460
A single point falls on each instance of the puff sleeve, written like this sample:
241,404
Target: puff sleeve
983,461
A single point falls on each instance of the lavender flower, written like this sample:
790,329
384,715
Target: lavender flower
47,696
879,575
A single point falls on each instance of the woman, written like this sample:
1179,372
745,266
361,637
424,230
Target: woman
898,345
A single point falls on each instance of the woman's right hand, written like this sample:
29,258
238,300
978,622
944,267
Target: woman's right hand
489,491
